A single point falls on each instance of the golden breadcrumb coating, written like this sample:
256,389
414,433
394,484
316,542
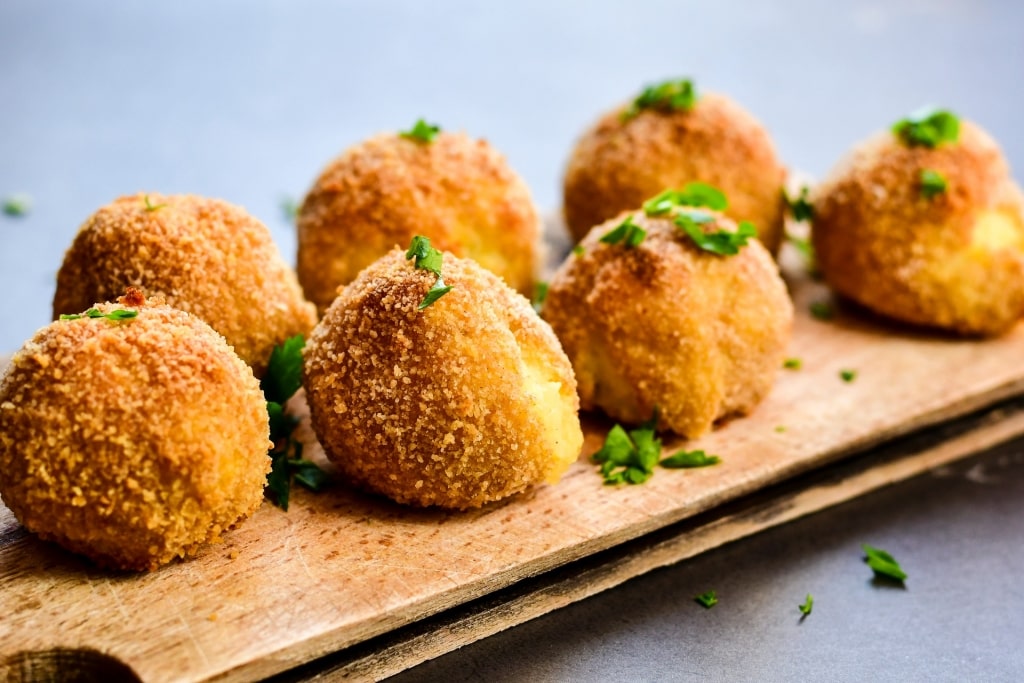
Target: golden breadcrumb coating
457,191
131,442
954,261
465,402
617,164
667,325
204,256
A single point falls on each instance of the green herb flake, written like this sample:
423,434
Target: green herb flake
290,209
150,207
667,96
693,194
721,242
428,258
928,127
808,605
436,291
821,310
579,250
627,233
628,457
800,207
115,315
780,429
689,459
17,205
284,370
933,183
792,363
847,375
421,132
707,600
540,293
883,564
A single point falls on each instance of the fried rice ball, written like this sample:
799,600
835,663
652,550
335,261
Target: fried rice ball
665,325
459,192
131,442
623,160
204,256
462,403
953,261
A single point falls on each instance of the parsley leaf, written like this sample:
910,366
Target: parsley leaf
421,132
436,291
883,564
115,315
428,258
628,233
688,459
721,242
932,183
808,605
847,375
18,205
800,208
693,194
667,96
928,127
792,363
707,600
821,310
284,370
579,250
628,457
153,207
540,293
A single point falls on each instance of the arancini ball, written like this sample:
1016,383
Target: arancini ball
131,441
653,322
668,137
204,256
453,402
458,191
929,233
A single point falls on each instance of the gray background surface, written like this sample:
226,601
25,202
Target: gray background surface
247,101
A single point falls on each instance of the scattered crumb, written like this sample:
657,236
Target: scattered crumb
212,617
233,555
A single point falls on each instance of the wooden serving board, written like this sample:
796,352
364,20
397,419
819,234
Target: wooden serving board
341,569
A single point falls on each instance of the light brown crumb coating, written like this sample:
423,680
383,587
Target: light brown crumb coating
457,191
131,442
204,256
617,164
954,261
666,324
465,402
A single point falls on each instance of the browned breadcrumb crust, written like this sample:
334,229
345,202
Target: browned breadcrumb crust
933,262
441,406
204,256
457,191
666,324
618,164
131,442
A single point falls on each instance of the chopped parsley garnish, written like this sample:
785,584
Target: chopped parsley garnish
281,380
667,96
792,363
932,183
928,127
540,293
800,207
680,204
150,207
688,459
115,315
707,600
421,132
17,205
628,233
693,194
808,605
883,564
847,375
290,209
428,258
721,242
579,250
821,310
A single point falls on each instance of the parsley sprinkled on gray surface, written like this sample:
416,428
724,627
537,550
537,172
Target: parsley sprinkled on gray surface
883,564
707,600
807,606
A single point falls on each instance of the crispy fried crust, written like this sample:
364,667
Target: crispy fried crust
204,256
457,191
665,324
465,402
131,442
618,164
955,261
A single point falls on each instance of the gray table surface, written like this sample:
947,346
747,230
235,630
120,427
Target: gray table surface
247,101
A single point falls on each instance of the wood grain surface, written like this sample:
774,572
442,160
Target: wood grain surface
340,568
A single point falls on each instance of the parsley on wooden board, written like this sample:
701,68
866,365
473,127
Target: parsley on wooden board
667,96
689,459
428,258
792,363
116,315
847,375
629,457
883,564
421,132
928,127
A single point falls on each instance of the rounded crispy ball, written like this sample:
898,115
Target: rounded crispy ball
953,261
464,402
457,191
667,325
131,442
618,164
204,256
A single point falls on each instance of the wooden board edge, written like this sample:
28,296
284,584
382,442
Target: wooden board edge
445,632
